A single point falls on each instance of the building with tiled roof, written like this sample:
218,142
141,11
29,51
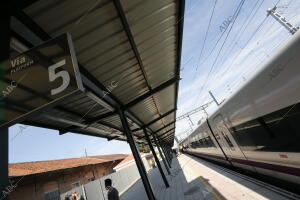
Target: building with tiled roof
39,167
41,179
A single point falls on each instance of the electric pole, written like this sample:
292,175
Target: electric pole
213,97
292,29
85,152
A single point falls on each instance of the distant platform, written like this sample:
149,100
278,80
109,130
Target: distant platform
195,179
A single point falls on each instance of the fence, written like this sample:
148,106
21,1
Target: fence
95,190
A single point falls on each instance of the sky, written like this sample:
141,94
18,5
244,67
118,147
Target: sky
246,41
251,41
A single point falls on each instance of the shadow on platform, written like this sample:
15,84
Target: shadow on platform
183,185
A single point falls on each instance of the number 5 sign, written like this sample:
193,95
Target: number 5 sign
63,74
44,76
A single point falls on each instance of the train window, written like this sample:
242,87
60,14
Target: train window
207,141
201,140
210,142
277,131
201,143
228,140
204,142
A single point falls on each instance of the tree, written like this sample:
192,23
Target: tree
144,148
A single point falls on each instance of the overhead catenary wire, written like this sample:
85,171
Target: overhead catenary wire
245,25
268,30
241,31
250,19
258,28
237,55
205,37
253,34
236,14
250,38
215,45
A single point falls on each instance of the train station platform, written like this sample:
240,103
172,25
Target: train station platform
192,178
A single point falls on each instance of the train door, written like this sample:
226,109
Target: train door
216,143
229,145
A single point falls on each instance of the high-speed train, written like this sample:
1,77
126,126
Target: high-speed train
258,128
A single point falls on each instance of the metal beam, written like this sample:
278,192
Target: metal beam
137,100
29,90
158,130
159,118
171,129
162,156
59,108
137,157
155,120
130,37
110,125
166,136
129,34
111,99
180,22
156,159
179,47
164,152
38,35
167,125
24,108
58,128
167,150
169,139
4,161
100,117
151,92
112,138
107,124
194,111
89,80
4,56
75,114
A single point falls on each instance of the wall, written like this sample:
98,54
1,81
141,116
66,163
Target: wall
34,187
95,190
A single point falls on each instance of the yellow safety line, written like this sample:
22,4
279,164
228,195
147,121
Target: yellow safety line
203,182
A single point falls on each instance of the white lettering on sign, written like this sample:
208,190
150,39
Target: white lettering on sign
62,74
18,61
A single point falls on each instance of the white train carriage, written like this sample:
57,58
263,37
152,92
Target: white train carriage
258,129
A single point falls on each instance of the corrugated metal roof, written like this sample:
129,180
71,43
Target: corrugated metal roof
131,47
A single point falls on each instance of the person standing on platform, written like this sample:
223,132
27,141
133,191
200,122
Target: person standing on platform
112,193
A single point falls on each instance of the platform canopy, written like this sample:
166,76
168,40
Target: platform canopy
129,58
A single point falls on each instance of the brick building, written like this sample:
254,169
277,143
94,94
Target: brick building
46,180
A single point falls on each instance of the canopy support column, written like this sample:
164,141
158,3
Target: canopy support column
3,160
136,155
165,153
161,155
4,56
168,155
156,159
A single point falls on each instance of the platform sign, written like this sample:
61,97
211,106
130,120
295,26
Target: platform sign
38,79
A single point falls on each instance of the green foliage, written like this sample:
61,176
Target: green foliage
144,148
